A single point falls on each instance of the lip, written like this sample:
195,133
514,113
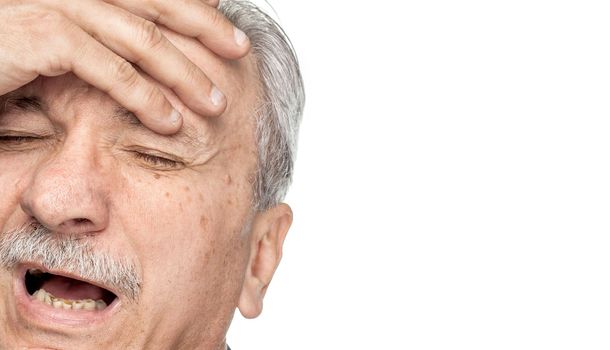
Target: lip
48,316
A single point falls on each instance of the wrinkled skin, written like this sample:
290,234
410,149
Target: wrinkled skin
199,247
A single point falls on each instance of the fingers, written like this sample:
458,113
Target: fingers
126,32
141,42
213,3
195,18
100,67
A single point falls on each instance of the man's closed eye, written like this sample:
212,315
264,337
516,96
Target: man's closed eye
16,142
16,139
159,162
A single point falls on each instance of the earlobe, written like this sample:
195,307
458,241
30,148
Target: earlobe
250,300
269,230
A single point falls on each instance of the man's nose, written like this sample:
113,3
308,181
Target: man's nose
67,193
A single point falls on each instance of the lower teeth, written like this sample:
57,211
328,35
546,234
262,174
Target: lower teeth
60,303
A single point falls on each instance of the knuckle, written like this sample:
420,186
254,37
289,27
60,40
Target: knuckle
39,22
154,12
192,74
148,35
52,52
54,64
215,18
125,73
150,96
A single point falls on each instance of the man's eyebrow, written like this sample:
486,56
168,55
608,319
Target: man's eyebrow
187,135
127,117
18,102
21,103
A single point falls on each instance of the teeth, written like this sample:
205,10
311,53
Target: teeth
35,272
57,303
89,305
60,303
100,305
40,295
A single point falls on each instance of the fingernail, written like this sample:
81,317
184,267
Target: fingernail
175,117
216,96
240,37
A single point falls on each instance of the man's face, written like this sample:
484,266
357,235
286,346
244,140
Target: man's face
176,210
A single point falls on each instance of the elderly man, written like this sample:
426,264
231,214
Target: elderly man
141,203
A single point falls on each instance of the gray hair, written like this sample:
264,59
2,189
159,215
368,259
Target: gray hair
282,101
37,244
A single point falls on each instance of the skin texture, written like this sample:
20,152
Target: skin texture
96,40
184,227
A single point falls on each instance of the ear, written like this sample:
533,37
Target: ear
269,230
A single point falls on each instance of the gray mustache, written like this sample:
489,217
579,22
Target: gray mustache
73,254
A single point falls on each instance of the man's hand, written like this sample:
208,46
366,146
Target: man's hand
97,40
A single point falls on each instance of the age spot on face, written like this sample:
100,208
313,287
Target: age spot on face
157,176
203,222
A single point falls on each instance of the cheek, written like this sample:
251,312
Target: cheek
15,173
8,182
179,225
189,241
159,209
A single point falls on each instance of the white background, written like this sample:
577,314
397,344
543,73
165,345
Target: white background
452,188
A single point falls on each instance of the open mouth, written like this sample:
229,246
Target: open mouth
67,293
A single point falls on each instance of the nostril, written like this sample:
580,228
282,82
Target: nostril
77,225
